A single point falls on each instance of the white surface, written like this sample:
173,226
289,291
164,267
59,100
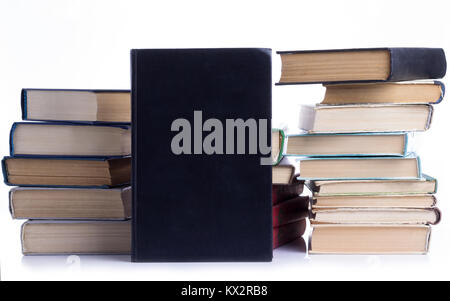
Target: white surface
85,44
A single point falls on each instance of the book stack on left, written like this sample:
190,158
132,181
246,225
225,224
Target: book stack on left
73,169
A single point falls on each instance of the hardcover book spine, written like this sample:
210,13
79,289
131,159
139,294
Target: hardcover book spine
419,166
22,240
442,85
10,198
23,104
429,178
416,63
134,135
438,215
11,138
282,145
5,172
407,148
126,201
434,201
430,117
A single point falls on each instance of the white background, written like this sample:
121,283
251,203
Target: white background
86,44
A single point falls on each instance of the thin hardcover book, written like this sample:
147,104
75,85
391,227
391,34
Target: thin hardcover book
76,105
347,145
360,168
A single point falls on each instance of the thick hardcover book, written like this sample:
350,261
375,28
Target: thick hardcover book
360,168
89,106
369,239
76,237
374,201
210,111
70,203
422,185
348,145
66,171
365,118
362,65
415,92
38,139
371,215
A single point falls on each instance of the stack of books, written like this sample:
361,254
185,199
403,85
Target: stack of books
289,209
72,169
369,193
71,162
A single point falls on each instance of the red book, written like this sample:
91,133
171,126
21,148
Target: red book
288,232
290,211
282,192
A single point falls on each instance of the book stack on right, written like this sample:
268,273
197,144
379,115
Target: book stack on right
369,193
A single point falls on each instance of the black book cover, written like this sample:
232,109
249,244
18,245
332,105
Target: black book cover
406,63
190,205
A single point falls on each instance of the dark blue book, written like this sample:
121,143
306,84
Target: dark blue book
361,65
69,105
202,171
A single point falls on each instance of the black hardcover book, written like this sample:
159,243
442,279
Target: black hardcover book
361,65
201,190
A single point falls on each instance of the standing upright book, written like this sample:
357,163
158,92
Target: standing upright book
201,138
